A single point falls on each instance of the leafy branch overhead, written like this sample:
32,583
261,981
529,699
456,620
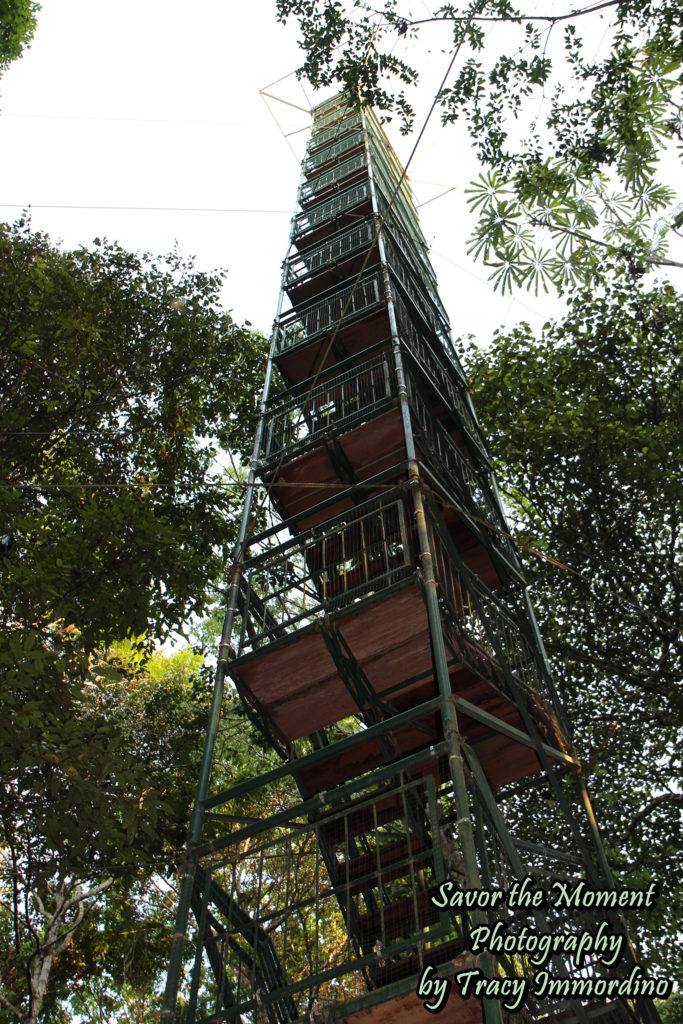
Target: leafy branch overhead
576,119
17,25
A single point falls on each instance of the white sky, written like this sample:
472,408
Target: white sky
153,103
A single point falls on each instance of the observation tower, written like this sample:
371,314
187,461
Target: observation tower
381,639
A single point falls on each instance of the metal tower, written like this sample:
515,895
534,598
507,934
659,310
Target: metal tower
380,637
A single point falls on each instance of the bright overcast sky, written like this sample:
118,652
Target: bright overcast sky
153,103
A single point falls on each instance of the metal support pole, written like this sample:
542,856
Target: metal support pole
493,1010
513,856
168,1011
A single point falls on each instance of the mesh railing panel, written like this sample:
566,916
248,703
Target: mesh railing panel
360,553
332,250
347,304
294,421
488,628
343,125
414,286
324,156
327,906
338,104
309,189
463,479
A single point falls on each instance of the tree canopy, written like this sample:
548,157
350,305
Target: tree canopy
584,424
17,25
574,117
122,378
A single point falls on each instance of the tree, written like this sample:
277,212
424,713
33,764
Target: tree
572,146
17,25
86,832
584,424
671,1010
122,378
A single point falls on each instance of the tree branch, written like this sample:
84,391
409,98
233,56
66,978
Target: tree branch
509,18
657,261
4,1001
675,798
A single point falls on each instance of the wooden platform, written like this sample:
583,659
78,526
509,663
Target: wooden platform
409,1008
307,238
296,683
366,450
299,362
355,456
346,267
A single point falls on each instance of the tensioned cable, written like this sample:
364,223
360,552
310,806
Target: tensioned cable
244,485
125,120
162,209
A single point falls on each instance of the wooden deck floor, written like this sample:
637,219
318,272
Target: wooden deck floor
297,684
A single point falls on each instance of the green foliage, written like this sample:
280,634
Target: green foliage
17,25
584,424
671,1010
123,379
571,145
105,795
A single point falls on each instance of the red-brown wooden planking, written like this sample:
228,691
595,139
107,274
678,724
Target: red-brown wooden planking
298,686
299,362
409,1009
369,448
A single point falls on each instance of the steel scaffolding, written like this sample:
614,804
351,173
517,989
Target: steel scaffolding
381,638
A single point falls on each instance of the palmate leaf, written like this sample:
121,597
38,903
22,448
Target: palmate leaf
637,166
617,204
505,274
542,270
654,197
486,190
569,272
495,230
583,212
521,240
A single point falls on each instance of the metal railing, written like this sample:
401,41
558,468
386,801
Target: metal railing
309,189
416,262
488,629
355,300
397,216
335,115
415,287
314,902
403,203
317,906
414,339
461,478
293,422
324,156
343,125
362,551
334,103
426,359
310,261
307,220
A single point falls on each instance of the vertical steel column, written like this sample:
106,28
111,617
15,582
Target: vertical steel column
448,713
168,1011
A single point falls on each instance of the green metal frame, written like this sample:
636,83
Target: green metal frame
445,771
